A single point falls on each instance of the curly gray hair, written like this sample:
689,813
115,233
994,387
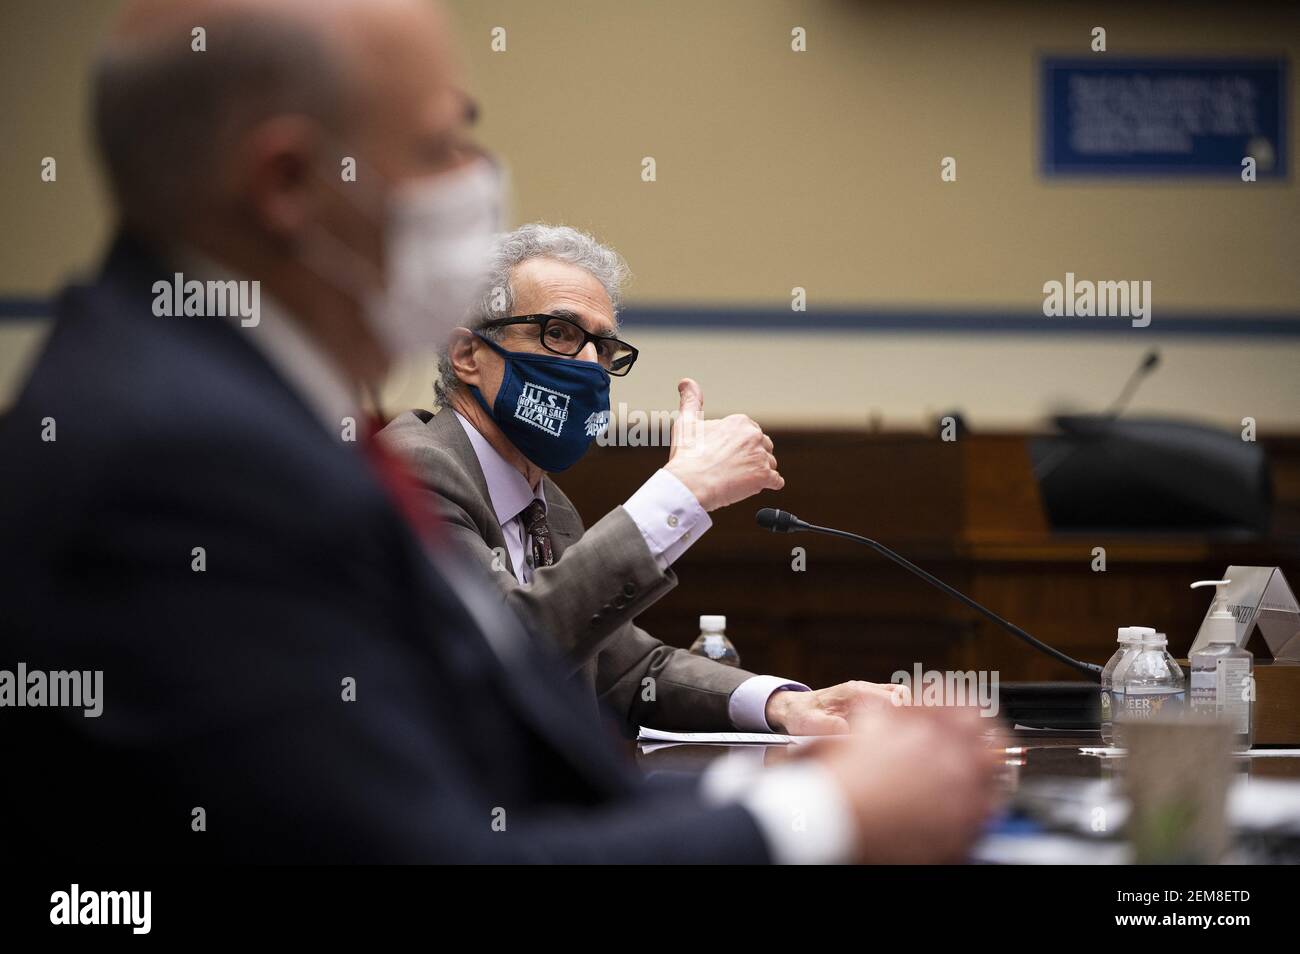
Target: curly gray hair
535,240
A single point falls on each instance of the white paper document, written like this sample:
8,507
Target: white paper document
722,738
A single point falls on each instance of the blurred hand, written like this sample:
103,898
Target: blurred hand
720,462
828,711
922,781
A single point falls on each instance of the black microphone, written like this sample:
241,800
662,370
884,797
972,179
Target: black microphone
782,521
1149,362
1086,425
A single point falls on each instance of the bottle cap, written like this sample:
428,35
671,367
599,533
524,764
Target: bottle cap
713,624
1135,635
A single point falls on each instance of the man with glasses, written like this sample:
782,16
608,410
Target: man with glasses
523,392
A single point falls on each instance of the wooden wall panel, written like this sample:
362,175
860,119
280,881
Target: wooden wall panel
968,512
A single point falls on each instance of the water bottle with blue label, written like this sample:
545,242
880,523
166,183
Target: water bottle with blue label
1152,684
1111,697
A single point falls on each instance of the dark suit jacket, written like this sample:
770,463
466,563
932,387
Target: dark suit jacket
223,687
602,578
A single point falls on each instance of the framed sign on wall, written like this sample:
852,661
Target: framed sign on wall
1164,116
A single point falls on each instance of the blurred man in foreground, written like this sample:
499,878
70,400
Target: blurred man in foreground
523,393
294,668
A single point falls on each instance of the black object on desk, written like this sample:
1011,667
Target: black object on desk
1051,705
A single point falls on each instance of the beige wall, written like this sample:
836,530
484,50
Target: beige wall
818,169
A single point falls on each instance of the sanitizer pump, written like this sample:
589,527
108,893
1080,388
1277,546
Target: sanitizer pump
1223,674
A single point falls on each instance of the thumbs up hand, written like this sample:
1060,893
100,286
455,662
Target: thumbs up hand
723,461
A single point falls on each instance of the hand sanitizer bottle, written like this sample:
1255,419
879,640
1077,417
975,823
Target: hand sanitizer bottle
1152,684
1223,674
712,643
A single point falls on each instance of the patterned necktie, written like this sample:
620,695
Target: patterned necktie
539,532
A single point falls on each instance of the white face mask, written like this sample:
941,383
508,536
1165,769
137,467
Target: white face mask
438,237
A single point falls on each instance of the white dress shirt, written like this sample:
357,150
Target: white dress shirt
800,809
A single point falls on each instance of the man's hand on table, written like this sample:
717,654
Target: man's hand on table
828,711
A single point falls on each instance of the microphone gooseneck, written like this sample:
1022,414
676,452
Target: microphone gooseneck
782,521
1148,364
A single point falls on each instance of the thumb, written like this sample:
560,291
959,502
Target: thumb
692,401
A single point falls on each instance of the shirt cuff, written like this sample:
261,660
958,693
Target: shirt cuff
747,707
668,516
803,816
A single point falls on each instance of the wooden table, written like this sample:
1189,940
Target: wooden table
1032,760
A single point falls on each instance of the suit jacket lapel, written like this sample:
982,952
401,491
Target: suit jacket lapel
451,436
566,524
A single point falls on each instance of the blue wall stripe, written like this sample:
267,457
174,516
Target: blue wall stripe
918,321
947,321
18,308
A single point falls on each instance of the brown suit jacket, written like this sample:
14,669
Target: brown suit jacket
601,579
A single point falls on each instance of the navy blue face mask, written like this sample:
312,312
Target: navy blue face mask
550,408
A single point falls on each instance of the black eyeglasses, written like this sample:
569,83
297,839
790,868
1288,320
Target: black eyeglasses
564,336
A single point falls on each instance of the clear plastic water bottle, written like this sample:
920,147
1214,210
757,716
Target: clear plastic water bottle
1136,634
712,643
1129,639
1152,684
